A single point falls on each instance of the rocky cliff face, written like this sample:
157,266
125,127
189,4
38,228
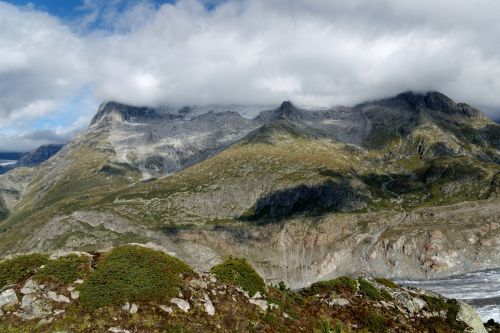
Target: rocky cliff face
402,187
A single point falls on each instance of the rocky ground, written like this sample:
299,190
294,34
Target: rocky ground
69,294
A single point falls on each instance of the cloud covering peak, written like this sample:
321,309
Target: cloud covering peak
319,52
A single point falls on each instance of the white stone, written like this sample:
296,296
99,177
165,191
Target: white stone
126,307
134,308
118,330
260,303
209,307
79,281
30,287
166,309
75,294
182,304
63,299
257,295
58,312
58,298
8,297
52,295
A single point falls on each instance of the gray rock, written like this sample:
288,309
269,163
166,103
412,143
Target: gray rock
30,287
410,304
338,302
182,304
209,306
33,307
264,305
470,317
8,297
58,298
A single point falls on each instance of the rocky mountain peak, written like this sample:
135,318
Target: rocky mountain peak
39,155
436,101
114,111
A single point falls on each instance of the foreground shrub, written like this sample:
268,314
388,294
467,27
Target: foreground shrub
133,273
376,322
65,270
20,268
340,284
239,272
387,283
369,290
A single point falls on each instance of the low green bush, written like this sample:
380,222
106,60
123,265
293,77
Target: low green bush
375,322
238,271
434,303
339,284
387,283
65,270
131,274
20,268
369,290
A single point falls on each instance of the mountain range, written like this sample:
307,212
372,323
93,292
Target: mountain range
400,187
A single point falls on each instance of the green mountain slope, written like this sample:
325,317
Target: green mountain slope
300,196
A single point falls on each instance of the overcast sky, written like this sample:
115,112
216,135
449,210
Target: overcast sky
58,62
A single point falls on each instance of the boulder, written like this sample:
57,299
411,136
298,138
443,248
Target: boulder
470,317
32,307
8,297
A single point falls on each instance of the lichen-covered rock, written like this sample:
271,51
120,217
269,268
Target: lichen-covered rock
470,317
8,297
30,287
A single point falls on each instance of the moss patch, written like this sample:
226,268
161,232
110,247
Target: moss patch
339,285
19,268
387,283
369,290
65,270
133,273
239,272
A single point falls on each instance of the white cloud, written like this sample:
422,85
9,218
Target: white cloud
319,52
